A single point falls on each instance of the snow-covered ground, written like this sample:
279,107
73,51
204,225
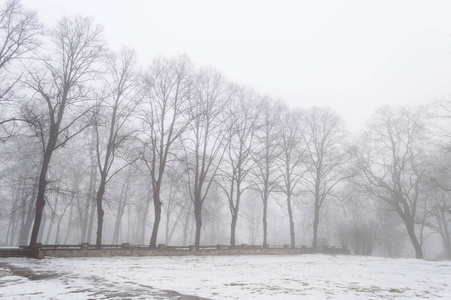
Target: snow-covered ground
226,277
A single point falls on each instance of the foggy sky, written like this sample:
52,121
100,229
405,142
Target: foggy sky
350,55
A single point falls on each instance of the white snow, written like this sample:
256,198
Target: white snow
230,277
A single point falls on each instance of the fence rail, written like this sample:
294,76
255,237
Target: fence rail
39,250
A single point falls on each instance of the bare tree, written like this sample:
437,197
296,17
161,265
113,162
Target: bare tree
358,229
292,160
325,140
174,204
439,198
168,88
204,139
114,111
18,178
19,34
266,151
390,159
242,121
19,31
77,46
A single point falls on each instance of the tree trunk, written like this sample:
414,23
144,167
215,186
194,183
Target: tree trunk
58,227
69,222
91,221
117,225
186,224
315,228
156,224
413,238
144,221
233,228
198,219
49,230
446,235
290,216
179,215
42,229
26,223
40,200
100,212
265,221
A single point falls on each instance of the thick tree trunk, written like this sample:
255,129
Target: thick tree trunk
40,200
157,210
198,219
233,228
100,211
42,184
315,227
413,238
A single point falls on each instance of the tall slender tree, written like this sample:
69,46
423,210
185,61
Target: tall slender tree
242,122
265,153
115,108
292,160
168,88
324,137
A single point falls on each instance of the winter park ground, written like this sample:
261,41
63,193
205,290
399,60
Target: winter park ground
310,276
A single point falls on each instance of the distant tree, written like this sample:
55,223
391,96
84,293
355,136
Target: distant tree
205,139
18,177
327,156
439,197
60,81
19,34
359,229
391,164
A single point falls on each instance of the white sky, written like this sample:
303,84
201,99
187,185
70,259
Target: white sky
350,55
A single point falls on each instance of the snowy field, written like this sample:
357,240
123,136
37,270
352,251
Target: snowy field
225,277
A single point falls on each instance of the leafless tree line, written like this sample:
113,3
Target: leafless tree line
91,139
